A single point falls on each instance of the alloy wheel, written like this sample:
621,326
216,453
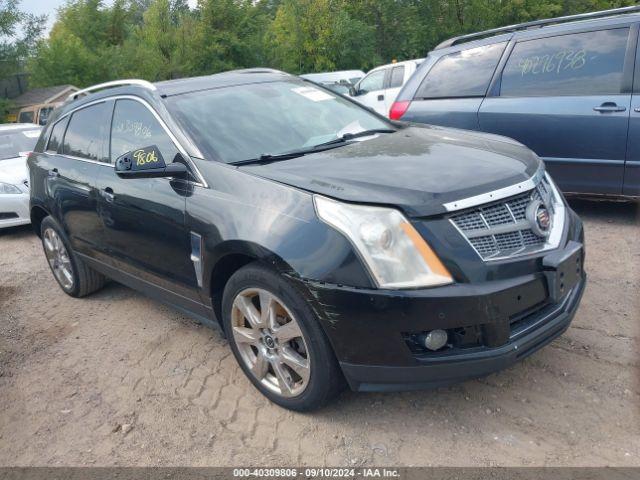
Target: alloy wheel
270,342
58,258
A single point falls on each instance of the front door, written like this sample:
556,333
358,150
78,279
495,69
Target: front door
144,219
564,97
371,91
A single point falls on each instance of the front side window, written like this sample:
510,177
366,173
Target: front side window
133,127
462,74
243,122
85,136
589,63
397,77
372,82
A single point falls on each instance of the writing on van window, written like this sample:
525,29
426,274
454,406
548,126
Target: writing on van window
554,62
136,128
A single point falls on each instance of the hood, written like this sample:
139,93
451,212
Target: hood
417,169
14,170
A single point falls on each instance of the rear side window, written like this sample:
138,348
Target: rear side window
26,117
57,133
372,82
44,115
462,74
397,76
86,133
589,63
133,127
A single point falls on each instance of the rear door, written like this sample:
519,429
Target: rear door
371,91
398,75
75,154
566,97
453,89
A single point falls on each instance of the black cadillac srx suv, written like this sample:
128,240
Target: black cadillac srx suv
328,242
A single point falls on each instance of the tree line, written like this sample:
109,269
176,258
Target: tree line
92,41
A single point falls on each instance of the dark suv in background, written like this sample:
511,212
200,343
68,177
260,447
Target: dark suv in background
569,91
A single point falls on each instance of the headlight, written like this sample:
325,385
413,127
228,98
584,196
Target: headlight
8,188
394,252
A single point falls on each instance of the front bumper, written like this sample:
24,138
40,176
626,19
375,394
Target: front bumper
14,210
368,329
437,371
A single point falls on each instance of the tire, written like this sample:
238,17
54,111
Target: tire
78,279
296,388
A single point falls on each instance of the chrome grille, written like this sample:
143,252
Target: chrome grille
500,229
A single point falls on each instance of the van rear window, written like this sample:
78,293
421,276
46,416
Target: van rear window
462,74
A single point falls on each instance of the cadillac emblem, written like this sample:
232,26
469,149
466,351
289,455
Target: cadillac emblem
539,218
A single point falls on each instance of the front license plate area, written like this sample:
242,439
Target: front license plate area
563,270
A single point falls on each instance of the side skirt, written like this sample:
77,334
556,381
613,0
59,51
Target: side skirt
197,311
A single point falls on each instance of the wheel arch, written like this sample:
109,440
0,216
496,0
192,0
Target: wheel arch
232,256
38,214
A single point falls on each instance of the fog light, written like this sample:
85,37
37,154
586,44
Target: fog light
435,339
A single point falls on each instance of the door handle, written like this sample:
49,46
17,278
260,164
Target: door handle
53,173
607,107
108,195
380,97
637,109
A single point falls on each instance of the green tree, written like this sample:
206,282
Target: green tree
317,35
158,48
19,32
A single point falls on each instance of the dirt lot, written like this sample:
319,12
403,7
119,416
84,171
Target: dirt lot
118,379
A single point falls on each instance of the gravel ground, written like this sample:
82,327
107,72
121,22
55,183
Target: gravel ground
118,379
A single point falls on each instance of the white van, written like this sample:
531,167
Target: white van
380,87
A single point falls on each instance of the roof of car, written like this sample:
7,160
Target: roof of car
218,80
397,64
541,28
167,88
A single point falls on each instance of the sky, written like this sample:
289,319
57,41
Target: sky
48,7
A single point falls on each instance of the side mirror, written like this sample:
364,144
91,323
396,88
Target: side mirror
353,92
148,163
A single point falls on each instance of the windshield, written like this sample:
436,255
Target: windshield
246,121
12,144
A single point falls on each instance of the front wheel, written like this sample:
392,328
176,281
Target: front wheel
277,340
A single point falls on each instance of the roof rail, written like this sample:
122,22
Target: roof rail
115,83
536,23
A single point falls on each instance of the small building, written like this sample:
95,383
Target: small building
35,105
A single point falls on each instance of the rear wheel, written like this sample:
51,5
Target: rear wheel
277,340
72,274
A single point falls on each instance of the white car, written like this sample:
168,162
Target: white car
16,141
380,87
342,76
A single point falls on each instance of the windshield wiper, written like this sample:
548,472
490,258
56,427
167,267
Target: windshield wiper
350,136
336,142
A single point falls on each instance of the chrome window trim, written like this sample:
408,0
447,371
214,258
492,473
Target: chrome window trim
557,228
496,194
201,181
